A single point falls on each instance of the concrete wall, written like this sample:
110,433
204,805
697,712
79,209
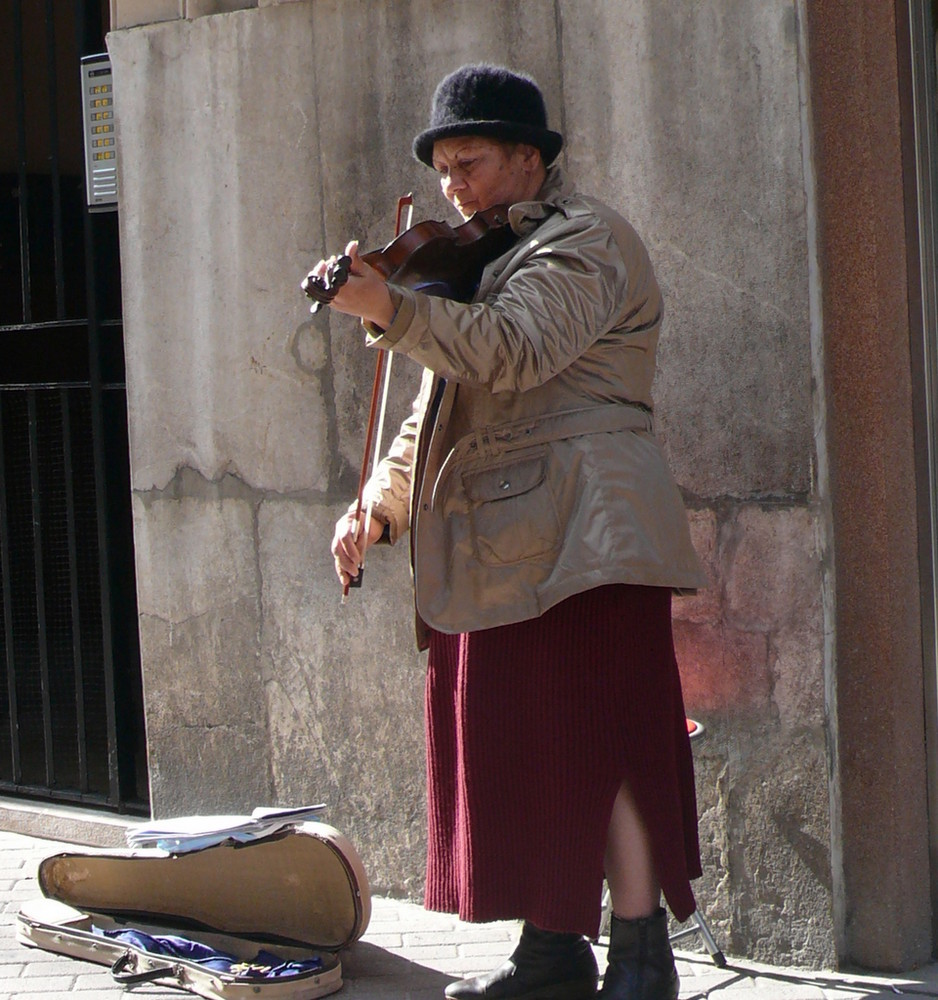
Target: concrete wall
253,140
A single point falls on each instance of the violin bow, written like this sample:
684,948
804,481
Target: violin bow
376,413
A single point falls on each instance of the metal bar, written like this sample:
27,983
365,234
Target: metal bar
712,947
23,191
72,384
6,578
69,795
91,29
58,255
101,506
77,662
42,635
56,324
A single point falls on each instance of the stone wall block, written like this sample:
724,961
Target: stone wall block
212,305
128,13
722,669
703,153
764,829
725,427
199,645
192,555
764,639
344,691
763,634
199,770
199,8
780,820
772,567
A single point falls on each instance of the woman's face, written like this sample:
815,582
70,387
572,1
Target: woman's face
477,173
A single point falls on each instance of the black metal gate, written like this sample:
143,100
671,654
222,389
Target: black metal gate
71,707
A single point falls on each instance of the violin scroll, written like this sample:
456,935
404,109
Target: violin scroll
322,290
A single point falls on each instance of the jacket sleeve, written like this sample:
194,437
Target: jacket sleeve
559,298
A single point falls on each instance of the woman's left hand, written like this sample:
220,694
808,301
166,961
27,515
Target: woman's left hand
364,294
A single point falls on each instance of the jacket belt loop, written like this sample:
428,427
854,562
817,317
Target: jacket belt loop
492,447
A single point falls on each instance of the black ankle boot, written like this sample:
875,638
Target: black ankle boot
545,966
641,963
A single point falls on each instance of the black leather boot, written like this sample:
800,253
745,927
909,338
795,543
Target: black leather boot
641,963
545,966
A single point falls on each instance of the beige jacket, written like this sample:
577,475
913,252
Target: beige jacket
528,470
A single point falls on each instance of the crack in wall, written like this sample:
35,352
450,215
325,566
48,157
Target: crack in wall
191,484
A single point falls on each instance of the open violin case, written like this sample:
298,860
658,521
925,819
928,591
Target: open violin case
277,910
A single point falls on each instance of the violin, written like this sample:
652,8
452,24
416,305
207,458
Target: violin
431,257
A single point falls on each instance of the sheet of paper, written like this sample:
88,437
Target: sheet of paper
192,833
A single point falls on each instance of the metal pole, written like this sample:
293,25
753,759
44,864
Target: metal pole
23,184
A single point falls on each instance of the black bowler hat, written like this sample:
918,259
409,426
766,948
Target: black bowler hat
488,101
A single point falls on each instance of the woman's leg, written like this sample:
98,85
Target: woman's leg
641,964
630,869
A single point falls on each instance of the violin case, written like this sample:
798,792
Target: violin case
300,895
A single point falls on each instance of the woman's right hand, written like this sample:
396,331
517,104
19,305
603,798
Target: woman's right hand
349,544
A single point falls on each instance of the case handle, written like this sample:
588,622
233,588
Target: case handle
151,975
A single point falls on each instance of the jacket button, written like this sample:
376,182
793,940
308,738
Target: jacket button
504,485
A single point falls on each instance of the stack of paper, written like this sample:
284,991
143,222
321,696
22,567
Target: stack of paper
192,833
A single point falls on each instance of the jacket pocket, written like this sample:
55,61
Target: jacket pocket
512,513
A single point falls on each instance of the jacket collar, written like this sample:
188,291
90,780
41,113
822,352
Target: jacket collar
526,216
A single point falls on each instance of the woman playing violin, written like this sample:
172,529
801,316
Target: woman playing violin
547,535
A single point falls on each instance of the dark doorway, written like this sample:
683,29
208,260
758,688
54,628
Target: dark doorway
71,706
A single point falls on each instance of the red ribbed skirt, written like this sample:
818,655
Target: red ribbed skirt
531,729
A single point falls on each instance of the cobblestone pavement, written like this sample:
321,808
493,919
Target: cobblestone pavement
407,954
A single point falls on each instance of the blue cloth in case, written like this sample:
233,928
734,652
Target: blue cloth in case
265,965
